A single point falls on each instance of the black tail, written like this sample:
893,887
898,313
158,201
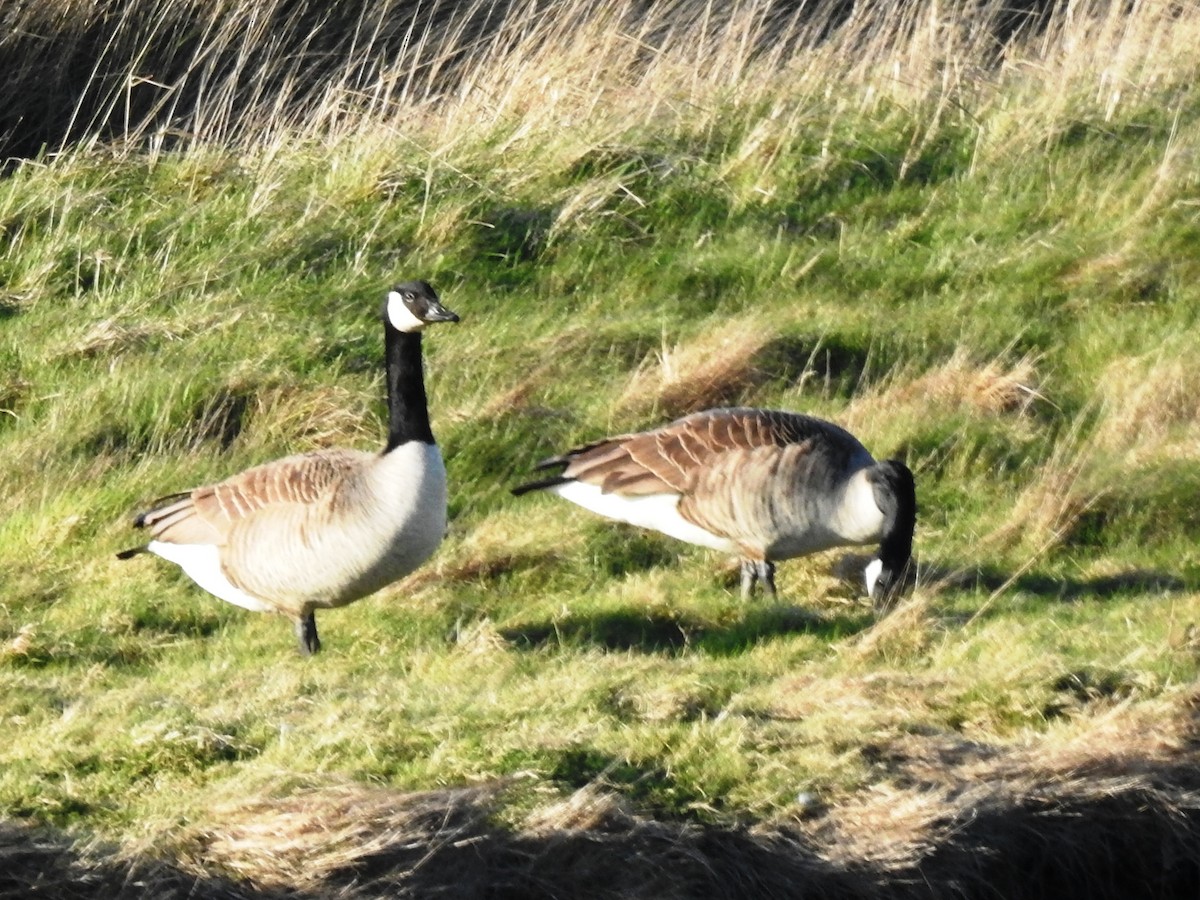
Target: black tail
131,552
139,520
539,485
553,462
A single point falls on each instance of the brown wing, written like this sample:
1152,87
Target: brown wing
206,514
671,458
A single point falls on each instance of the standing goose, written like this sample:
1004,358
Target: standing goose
761,484
321,529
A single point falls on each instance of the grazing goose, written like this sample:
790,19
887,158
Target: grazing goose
761,484
321,529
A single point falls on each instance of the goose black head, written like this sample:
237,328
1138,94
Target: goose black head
896,496
413,305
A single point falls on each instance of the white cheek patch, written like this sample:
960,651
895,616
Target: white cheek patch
873,571
401,316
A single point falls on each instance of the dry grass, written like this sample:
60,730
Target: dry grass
311,838
904,631
1151,406
591,808
108,338
441,844
716,369
314,417
988,388
1108,807
996,838
20,643
937,783
1051,503
42,863
992,387
163,74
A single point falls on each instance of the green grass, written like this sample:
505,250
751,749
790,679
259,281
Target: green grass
1002,289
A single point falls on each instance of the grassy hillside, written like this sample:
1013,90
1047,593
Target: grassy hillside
978,256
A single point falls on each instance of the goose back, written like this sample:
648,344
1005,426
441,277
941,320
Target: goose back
768,484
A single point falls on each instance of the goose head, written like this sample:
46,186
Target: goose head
413,305
896,496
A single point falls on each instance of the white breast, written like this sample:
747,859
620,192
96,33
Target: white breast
859,519
407,490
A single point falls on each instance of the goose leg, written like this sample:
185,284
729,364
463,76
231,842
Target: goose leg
758,571
766,574
306,633
749,576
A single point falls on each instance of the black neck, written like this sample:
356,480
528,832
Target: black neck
408,411
895,494
896,550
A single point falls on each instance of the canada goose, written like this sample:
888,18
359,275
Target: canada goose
762,484
321,529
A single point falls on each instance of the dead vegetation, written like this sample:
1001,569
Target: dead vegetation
1052,503
315,416
166,75
1108,810
993,387
963,383
110,338
172,72
714,370
1151,405
41,863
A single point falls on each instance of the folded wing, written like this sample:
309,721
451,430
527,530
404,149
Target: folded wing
206,514
671,459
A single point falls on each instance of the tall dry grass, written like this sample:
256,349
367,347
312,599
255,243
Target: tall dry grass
235,72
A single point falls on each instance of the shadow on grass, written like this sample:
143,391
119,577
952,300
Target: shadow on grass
1050,587
36,862
86,649
1137,835
673,632
149,632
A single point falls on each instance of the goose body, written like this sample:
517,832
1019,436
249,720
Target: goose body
320,530
760,484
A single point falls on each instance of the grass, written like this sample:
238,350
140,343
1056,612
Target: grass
975,247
